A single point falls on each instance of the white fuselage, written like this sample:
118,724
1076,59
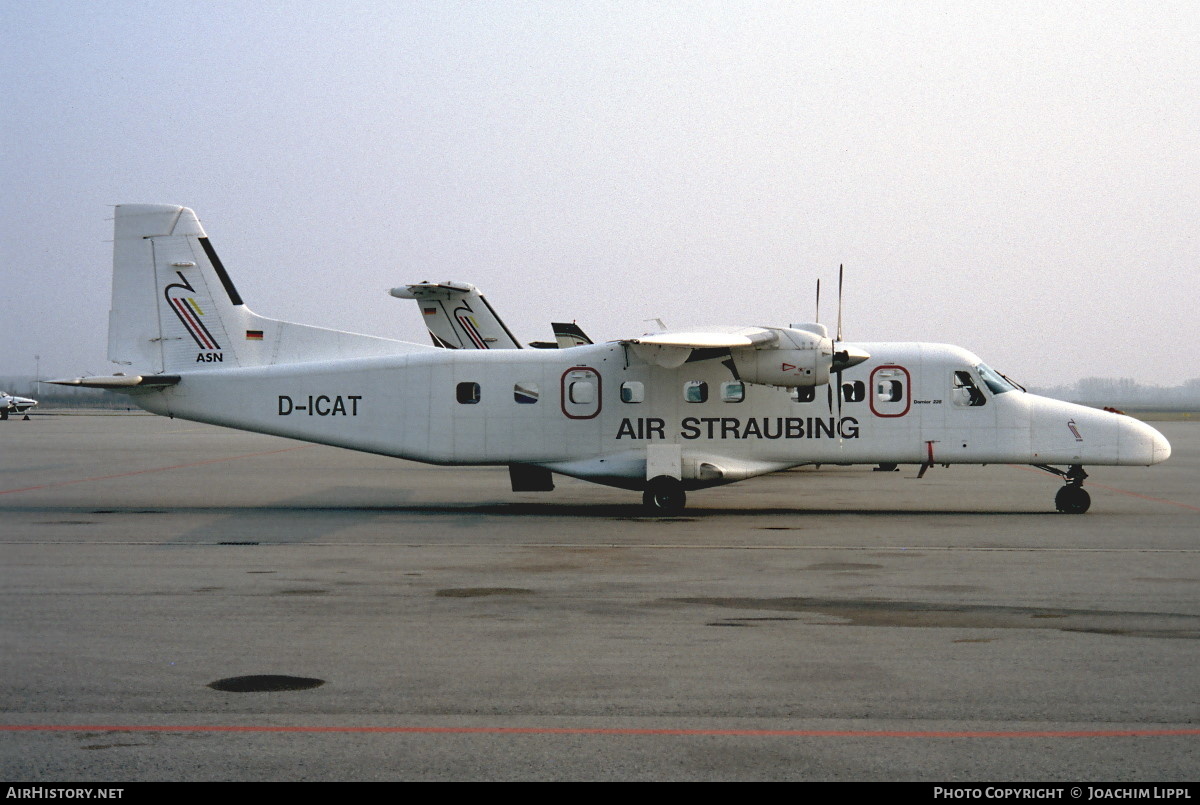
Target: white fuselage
600,413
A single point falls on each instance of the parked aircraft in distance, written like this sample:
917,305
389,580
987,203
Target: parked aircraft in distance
662,413
12,404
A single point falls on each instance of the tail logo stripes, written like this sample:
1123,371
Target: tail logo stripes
189,312
470,327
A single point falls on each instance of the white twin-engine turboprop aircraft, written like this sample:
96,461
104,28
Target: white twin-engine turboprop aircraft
661,413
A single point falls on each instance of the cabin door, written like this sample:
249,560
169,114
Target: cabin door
580,392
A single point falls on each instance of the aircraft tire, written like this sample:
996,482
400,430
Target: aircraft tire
664,495
1072,500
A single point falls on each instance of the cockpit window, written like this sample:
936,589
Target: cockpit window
995,381
966,393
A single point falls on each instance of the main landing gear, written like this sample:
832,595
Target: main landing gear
1071,498
664,495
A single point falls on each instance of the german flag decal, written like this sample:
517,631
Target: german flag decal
254,335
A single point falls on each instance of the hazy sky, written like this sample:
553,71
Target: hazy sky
1021,179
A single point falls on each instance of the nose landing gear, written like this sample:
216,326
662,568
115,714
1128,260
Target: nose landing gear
1071,498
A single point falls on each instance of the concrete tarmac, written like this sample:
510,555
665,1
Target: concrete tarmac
832,624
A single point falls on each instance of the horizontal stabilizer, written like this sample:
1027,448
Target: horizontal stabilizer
118,382
433,290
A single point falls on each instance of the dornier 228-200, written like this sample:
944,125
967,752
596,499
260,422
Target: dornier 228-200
663,414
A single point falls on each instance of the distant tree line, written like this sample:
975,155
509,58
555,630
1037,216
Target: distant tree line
1124,393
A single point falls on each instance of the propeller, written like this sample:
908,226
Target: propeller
838,365
840,360
828,386
845,357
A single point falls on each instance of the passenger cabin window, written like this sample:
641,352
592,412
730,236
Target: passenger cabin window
854,392
733,391
467,393
965,393
632,392
525,393
889,391
803,394
695,391
582,392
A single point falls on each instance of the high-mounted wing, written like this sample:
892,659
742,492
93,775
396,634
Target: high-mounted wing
772,356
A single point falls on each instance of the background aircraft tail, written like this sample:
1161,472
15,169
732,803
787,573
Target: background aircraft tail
569,334
457,316
174,306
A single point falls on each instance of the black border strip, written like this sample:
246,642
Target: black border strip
500,321
234,296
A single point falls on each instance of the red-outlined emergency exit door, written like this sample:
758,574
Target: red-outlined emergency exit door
891,391
580,388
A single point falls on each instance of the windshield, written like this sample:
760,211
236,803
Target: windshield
995,381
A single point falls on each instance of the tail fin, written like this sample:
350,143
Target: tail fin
569,334
458,317
174,306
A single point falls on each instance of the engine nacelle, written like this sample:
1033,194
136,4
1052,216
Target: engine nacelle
800,358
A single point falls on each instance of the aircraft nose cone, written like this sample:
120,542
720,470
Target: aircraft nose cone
1162,448
1147,444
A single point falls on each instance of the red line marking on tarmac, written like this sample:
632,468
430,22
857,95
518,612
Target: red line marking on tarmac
1124,491
1128,733
153,469
1148,497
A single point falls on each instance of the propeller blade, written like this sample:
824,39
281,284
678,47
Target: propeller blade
839,327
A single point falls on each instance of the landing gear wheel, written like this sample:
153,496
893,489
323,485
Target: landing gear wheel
1072,499
664,495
